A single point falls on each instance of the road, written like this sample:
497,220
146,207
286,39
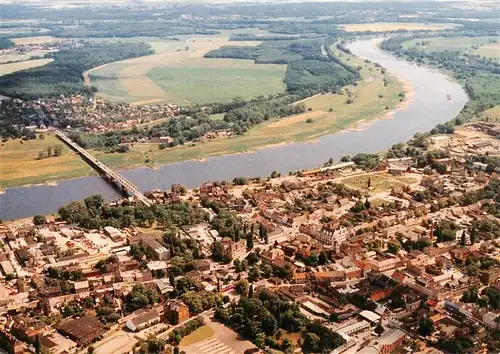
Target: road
112,175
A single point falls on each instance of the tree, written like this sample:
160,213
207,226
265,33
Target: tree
462,239
242,287
250,241
250,292
39,220
260,339
269,325
311,343
379,329
426,327
253,274
473,235
322,258
237,265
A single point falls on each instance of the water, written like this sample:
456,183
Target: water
428,107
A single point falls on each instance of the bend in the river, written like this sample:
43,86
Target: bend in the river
428,107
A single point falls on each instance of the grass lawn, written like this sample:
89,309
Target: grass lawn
491,115
22,65
379,183
218,80
395,26
199,335
19,164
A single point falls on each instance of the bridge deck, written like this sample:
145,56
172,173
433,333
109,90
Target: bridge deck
98,165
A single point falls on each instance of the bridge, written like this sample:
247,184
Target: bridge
114,177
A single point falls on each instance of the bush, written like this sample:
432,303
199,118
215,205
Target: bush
309,120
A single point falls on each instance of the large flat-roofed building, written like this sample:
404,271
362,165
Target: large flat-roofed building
82,330
156,248
7,267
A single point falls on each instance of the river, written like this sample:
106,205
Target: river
427,107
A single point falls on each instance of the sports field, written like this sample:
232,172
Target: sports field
22,65
19,164
177,72
396,26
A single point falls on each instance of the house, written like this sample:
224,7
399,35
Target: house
81,286
233,249
176,311
144,320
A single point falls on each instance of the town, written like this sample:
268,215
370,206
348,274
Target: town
367,255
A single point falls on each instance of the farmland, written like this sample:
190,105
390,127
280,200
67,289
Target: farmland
159,77
22,65
395,26
218,80
19,164
35,40
329,113
483,46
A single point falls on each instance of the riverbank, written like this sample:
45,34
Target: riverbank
427,108
328,113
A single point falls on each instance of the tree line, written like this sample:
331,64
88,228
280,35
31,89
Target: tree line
64,74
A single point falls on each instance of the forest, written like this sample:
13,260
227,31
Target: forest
5,43
64,74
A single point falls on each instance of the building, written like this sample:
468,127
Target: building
233,249
390,341
176,311
327,235
83,330
7,268
81,286
144,320
156,248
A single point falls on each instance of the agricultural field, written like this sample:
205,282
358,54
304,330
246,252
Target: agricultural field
490,50
22,65
35,40
19,164
132,80
329,113
218,80
483,46
491,115
20,31
10,58
396,26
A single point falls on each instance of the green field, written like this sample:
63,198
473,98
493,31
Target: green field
483,46
329,113
218,80
19,164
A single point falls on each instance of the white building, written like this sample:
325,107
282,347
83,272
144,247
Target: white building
332,236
